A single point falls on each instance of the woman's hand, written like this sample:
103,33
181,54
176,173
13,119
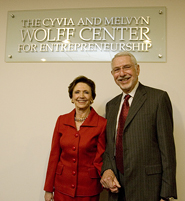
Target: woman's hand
48,196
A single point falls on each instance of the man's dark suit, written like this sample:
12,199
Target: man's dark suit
148,146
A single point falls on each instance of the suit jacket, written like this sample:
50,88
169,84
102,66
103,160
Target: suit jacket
75,160
148,146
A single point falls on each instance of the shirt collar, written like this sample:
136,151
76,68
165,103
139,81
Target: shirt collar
132,93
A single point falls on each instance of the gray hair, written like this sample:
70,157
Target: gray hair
121,54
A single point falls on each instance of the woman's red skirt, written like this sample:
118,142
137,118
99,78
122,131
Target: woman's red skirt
62,197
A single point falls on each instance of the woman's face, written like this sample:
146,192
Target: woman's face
82,96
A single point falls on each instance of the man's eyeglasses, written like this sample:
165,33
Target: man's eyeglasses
125,68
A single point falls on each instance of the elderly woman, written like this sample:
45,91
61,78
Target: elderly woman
78,143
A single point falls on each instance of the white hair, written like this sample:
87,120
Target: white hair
121,54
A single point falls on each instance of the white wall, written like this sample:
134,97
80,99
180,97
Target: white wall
32,95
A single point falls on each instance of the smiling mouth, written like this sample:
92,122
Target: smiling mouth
81,101
124,79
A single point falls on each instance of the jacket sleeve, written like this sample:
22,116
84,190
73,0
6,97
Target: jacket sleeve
53,159
166,146
98,161
108,156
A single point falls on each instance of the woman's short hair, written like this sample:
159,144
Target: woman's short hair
85,80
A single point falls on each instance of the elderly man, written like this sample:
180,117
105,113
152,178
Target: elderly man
139,162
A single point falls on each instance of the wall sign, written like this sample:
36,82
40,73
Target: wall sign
86,35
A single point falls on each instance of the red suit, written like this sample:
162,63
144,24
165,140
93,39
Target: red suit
76,156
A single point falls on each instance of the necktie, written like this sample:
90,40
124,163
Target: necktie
119,144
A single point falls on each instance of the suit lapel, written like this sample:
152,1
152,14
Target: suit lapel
138,101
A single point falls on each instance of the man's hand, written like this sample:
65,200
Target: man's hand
110,181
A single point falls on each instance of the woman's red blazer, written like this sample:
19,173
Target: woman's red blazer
76,156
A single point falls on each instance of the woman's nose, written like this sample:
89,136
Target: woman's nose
81,94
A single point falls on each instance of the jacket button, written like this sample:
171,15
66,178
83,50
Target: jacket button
76,135
72,185
74,148
74,160
74,172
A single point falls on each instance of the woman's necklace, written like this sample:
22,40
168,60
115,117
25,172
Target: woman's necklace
81,119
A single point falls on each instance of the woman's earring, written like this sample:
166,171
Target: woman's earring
91,102
72,101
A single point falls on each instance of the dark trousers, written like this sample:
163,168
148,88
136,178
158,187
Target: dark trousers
121,196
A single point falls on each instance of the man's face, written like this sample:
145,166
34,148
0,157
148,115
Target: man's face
125,73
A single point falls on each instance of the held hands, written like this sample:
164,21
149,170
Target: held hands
110,181
48,196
